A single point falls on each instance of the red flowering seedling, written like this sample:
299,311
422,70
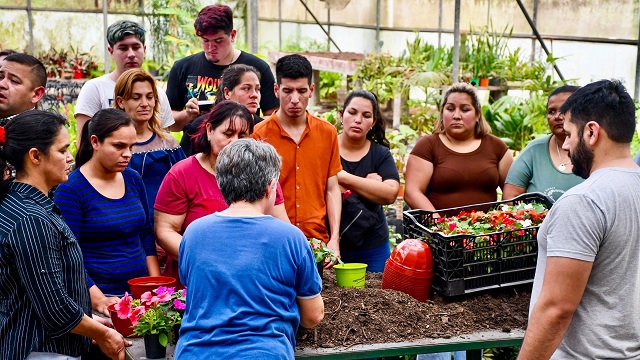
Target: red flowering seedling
476,250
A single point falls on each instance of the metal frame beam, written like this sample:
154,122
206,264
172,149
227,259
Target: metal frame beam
538,36
319,24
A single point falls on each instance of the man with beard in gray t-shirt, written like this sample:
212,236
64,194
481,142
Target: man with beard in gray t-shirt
587,284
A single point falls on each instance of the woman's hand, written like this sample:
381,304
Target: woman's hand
112,344
374,176
101,305
100,302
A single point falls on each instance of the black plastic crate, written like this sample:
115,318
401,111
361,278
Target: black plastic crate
468,263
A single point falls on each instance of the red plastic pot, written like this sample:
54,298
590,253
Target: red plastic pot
123,326
143,284
78,74
410,269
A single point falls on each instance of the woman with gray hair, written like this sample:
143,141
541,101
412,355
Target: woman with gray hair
262,269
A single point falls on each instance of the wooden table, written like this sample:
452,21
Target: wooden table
471,342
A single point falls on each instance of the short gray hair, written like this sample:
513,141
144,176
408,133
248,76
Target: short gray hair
244,168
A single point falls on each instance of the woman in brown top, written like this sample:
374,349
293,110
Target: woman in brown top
460,163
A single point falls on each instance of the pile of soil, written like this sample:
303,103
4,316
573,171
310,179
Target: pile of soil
372,315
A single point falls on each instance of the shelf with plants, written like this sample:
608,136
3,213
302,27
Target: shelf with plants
69,64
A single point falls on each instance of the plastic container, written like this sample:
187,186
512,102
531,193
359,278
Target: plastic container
410,269
123,326
469,263
143,284
351,275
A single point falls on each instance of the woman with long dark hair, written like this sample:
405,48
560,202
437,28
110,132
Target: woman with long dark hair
105,204
45,312
181,200
371,178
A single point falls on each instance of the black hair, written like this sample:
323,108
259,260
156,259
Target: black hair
38,72
606,102
222,111
377,133
102,125
231,78
122,28
564,89
293,67
30,129
7,52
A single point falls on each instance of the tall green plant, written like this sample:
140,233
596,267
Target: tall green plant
487,46
515,120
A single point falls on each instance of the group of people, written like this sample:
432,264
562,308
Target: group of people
229,216
132,193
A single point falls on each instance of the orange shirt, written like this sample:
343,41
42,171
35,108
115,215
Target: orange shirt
306,166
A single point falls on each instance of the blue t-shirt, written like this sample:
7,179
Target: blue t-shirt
243,275
115,235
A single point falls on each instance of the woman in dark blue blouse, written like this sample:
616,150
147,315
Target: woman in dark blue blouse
155,151
105,205
45,311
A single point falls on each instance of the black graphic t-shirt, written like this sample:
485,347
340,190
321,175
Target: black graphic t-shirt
196,77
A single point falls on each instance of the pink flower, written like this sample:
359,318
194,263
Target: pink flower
184,292
164,297
452,226
136,314
179,304
160,290
148,298
123,307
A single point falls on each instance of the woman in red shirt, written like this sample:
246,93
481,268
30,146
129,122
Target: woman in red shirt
190,189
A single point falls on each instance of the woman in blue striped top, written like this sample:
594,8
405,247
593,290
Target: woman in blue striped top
105,204
45,311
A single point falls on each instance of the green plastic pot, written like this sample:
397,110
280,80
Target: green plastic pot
351,275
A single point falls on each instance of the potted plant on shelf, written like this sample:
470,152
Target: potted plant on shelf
54,62
156,318
81,64
322,254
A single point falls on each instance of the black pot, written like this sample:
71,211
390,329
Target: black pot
320,266
153,348
175,334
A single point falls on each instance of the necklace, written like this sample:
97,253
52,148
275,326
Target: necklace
562,166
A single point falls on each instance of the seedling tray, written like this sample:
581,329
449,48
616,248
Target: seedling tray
469,263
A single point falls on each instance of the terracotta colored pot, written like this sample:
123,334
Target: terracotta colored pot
484,81
143,284
123,326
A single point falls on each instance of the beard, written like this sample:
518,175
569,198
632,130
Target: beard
582,159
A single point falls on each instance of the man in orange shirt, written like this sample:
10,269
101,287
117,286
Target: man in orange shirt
310,155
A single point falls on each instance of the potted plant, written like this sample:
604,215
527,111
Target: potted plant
156,318
54,62
322,254
81,64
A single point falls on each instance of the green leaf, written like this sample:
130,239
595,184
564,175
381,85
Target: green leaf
164,340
